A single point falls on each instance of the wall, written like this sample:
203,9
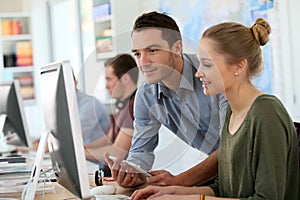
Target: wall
294,32
13,5
41,45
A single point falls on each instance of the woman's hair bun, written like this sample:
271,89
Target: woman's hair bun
261,30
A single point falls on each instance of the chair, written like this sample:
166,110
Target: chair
297,125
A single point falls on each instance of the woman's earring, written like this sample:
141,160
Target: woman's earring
235,73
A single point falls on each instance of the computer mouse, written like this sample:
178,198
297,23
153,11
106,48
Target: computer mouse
103,190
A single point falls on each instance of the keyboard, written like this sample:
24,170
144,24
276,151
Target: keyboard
112,197
17,159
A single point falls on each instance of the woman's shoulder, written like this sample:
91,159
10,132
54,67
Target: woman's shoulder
267,101
268,106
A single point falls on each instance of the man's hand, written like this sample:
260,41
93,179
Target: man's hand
123,174
161,178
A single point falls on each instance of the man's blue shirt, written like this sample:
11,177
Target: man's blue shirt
188,113
94,118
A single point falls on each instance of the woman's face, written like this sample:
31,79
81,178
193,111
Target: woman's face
214,72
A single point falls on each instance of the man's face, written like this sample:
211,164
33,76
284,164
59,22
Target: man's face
113,84
153,54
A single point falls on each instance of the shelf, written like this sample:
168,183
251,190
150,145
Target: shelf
106,55
20,69
29,101
111,28
103,19
16,37
16,52
15,15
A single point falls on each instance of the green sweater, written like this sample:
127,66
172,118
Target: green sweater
261,160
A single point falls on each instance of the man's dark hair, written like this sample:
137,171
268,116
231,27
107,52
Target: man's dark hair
122,64
167,25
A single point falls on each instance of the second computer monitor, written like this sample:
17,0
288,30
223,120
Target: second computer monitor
13,120
65,142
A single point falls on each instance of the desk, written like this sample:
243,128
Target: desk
59,192
120,190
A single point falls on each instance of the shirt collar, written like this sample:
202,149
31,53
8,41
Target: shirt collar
186,82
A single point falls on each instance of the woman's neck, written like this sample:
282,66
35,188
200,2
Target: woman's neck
241,98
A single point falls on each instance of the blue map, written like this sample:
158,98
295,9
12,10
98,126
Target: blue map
194,16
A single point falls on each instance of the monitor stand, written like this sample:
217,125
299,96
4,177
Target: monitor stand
30,188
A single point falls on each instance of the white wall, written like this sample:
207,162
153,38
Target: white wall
40,33
294,33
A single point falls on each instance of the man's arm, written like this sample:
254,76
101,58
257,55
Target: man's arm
119,149
100,142
199,174
144,141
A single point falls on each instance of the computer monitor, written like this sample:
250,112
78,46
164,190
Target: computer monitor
13,123
61,117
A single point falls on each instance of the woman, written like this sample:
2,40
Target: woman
258,153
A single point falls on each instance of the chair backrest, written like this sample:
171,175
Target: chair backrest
297,125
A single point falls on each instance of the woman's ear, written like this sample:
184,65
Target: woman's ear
241,66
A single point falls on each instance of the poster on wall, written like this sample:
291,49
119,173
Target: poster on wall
205,13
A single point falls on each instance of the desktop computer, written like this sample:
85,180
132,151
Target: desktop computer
13,124
63,135
59,102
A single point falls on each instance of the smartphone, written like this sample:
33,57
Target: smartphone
133,165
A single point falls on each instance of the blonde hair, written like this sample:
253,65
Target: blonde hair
236,42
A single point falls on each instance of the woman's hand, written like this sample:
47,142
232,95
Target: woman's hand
161,178
152,192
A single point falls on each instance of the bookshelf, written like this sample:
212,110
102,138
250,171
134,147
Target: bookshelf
113,21
16,52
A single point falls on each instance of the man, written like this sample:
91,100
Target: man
121,75
94,119
172,97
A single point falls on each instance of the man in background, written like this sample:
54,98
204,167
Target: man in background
121,74
94,119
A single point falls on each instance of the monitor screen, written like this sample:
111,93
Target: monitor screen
61,118
13,120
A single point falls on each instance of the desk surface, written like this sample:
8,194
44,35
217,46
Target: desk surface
59,192
56,191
